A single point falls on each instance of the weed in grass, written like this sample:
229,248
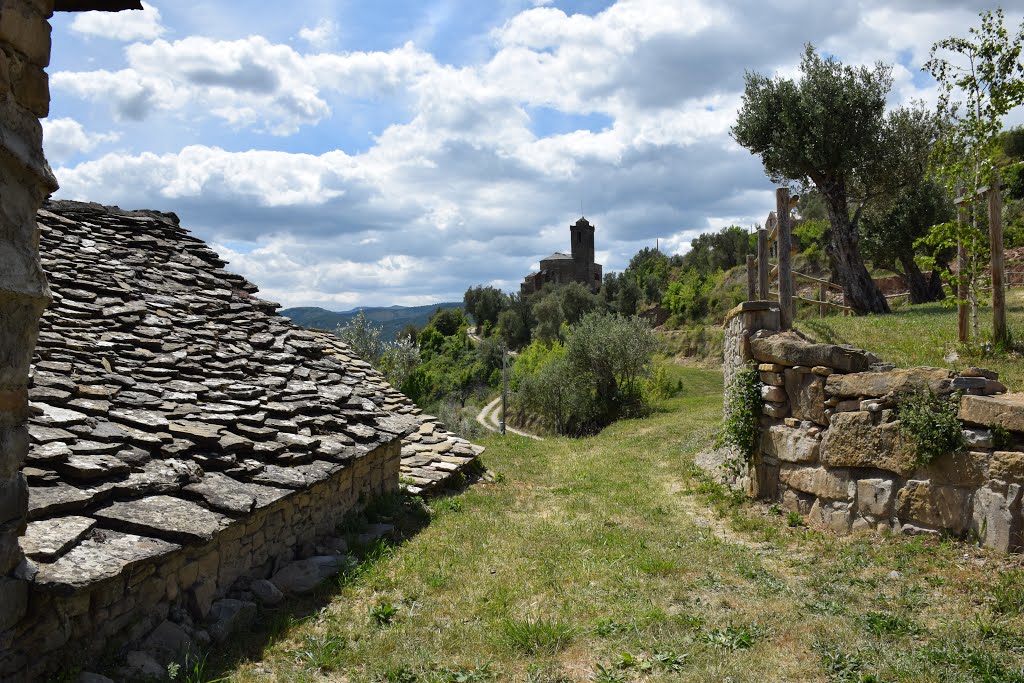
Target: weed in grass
475,674
734,637
383,613
320,652
711,582
1004,638
448,504
830,607
669,661
607,675
955,655
1008,594
609,627
545,673
843,667
794,520
397,674
889,624
536,636
628,661
694,622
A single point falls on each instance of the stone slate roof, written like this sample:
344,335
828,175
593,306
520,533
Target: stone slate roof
164,394
558,256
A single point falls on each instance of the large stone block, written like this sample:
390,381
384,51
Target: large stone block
790,444
13,602
1007,466
966,469
834,516
789,348
1006,411
875,497
806,392
997,518
877,384
942,507
856,440
831,484
26,30
31,88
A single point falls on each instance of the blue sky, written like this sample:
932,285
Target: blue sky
353,153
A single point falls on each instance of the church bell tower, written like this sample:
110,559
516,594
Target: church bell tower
582,234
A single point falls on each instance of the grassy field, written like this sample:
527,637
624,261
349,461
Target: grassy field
610,559
924,335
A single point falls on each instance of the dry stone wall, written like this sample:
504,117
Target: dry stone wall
188,449
831,447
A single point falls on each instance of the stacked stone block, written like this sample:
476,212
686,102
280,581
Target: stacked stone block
831,447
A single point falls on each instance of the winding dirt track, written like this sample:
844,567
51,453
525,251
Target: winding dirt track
490,419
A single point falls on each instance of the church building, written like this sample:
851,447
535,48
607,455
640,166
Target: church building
562,268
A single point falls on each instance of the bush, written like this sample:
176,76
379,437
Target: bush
744,404
930,423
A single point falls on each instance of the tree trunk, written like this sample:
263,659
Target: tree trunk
935,288
917,283
862,293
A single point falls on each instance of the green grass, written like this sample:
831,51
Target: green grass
611,559
925,335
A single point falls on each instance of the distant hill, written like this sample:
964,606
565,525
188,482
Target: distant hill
391,318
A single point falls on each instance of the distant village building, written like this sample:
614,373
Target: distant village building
562,268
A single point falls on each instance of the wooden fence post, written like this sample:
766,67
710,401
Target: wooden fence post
963,325
751,278
784,239
762,264
995,231
822,307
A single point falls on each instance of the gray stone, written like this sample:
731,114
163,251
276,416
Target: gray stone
978,437
100,556
230,616
996,518
170,642
979,372
967,383
89,677
790,349
92,466
941,507
874,497
48,539
141,419
140,666
302,576
1007,466
774,393
818,481
199,432
13,601
266,593
806,392
174,519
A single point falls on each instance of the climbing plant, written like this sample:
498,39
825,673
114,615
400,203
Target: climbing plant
743,408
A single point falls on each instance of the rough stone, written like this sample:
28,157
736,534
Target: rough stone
170,642
806,395
266,593
166,517
790,444
942,507
102,555
879,384
874,497
230,616
48,539
996,518
856,440
302,576
1006,411
1007,466
790,349
818,481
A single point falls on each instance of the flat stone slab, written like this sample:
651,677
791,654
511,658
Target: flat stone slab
899,381
1006,411
223,493
788,348
49,539
102,555
174,519
47,501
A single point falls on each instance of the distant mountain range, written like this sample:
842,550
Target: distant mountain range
391,318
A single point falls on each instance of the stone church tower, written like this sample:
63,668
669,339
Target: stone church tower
562,268
582,245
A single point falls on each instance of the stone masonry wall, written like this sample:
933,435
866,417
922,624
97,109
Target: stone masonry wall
72,615
25,180
831,448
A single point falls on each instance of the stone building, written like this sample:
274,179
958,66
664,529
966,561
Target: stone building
562,268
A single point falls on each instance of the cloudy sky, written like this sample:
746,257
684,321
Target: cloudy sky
343,152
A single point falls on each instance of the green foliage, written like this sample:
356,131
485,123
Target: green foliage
659,387
593,379
930,423
1008,593
812,233
557,308
363,337
735,637
448,321
889,624
711,252
485,305
536,636
743,409
383,613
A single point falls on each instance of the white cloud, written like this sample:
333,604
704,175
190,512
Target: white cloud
64,138
321,36
125,26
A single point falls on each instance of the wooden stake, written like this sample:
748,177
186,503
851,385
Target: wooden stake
785,265
822,307
963,325
995,231
762,264
751,278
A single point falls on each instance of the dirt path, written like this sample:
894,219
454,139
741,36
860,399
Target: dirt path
490,419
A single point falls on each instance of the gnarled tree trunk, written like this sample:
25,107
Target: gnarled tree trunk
920,286
862,293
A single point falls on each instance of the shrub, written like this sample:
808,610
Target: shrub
930,423
744,404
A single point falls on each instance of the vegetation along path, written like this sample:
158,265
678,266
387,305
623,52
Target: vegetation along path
490,418
610,559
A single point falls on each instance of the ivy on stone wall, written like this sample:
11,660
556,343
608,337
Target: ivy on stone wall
743,407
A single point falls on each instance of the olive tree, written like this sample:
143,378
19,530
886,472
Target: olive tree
829,129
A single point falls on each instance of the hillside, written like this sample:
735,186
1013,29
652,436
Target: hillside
391,318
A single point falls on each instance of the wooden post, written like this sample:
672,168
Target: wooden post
784,240
751,278
963,325
995,231
762,264
822,308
